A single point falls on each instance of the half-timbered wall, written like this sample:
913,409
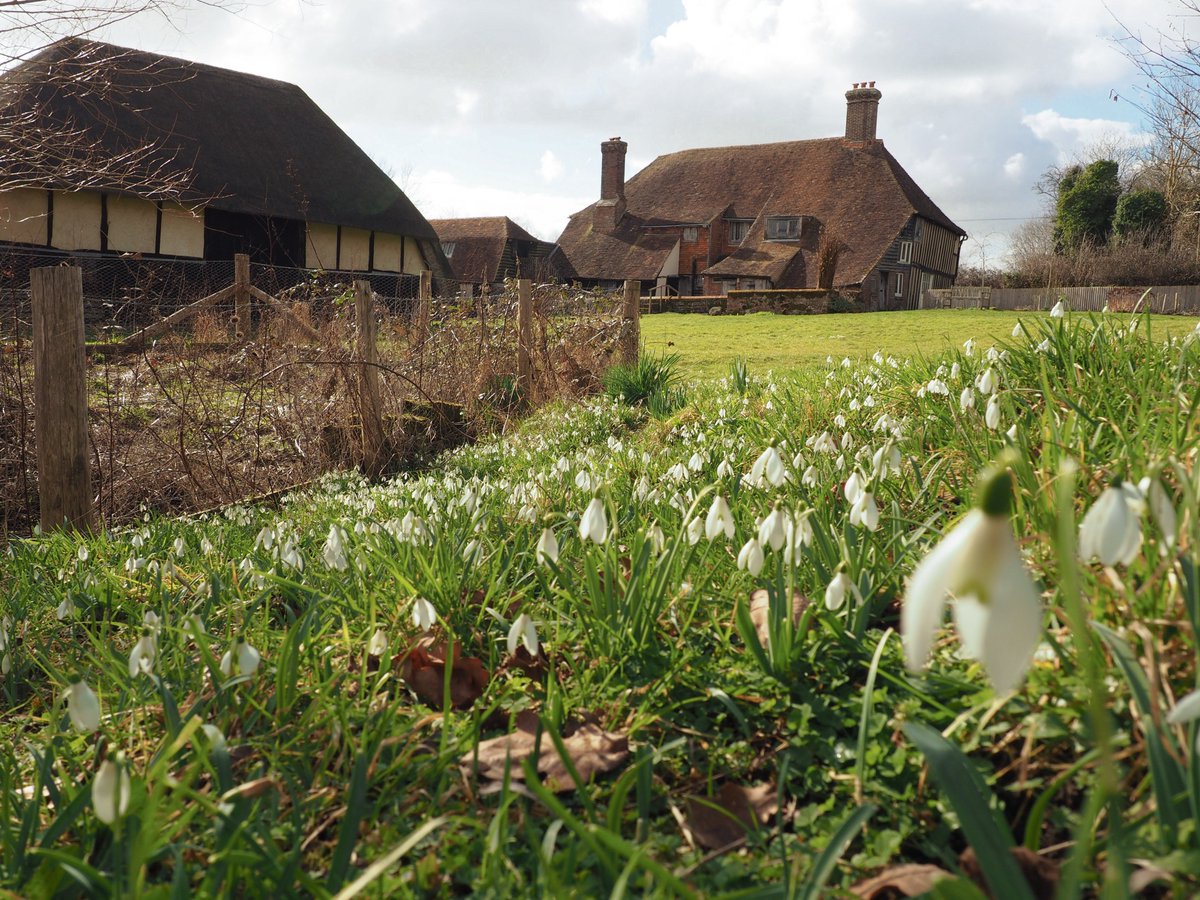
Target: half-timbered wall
935,249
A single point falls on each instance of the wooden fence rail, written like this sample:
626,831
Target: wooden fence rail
1168,299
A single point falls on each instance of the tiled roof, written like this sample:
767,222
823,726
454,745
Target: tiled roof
479,244
859,191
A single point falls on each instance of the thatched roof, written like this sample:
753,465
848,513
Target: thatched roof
479,244
859,191
198,133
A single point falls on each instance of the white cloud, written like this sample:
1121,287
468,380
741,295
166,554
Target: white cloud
544,214
1070,135
620,12
465,101
551,167
1014,166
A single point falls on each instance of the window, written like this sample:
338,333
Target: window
738,230
690,235
905,252
783,228
899,284
448,248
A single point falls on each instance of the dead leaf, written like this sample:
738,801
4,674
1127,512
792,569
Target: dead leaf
593,751
1040,872
423,668
900,881
719,821
760,612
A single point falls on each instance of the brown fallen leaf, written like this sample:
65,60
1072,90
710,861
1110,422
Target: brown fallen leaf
1041,872
423,668
593,751
900,881
726,818
760,612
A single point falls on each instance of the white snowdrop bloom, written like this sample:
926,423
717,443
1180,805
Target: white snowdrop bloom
658,540
769,465
527,514
241,654
992,416
798,462
750,557
937,386
809,479
1111,530
472,552
66,609
378,643
641,489
839,587
846,362
469,500
1058,310
1011,434
547,547
854,487
180,547
966,400
877,358
1161,507
289,555
773,530
111,789
137,542
1044,346
799,534
593,524
583,480
1017,329
141,658
979,566
847,442
719,520
955,371
839,420
83,706
265,538
855,404
696,463
864,512
135,563
987,381
206,546
824,443
334,552
724,469
524,632
82,553
969,346
695,530
195,625
424,615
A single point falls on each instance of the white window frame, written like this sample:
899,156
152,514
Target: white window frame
691,234
906,248
448,248
789,235
899,284
740,225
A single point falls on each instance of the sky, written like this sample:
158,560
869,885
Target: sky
498,107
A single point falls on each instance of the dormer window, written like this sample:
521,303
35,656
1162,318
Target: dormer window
448,248
783,228
738,229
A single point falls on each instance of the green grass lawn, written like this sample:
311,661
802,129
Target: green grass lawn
708,344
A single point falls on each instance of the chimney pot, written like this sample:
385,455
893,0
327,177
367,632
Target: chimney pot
862,110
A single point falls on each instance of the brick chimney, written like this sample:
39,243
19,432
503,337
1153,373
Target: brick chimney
608,212
862,109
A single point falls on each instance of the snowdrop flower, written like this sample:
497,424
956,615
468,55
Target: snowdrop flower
696,463
937,386
1044,346
992,416
695,530
773,530
1017,329
1011,434
141,658
809,479
724,469
719,519
83,706
378,643
523,632
750,557
424,615
111,789
1111,530
472,552
243,655
837,589
996,608
334,552
864,512
180,547
82,553
854,487
966,400
593,525
547,547
769,465
658,540
987,381
1058,310
66,609
1161,507
969,346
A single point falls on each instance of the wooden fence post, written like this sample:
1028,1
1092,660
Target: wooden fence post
524,338
369,404
60,398
241,296
631,325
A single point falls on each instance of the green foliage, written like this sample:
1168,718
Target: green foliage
1087,202
1140,214
640,382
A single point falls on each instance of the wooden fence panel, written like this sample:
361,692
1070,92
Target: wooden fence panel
1168,299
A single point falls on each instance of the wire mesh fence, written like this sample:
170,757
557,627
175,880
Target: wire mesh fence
215,410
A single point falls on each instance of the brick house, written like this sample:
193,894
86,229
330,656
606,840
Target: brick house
701,222
487,250
170,160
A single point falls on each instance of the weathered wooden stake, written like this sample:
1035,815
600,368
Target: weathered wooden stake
632,322
524,337
60,398
241,296
369,404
